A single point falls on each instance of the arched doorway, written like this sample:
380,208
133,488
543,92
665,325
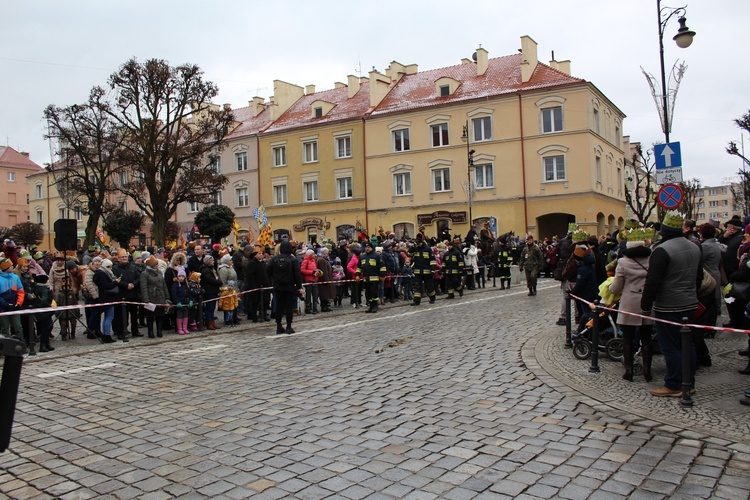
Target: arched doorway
556,224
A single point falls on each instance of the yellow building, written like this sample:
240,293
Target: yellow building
546,148
312,161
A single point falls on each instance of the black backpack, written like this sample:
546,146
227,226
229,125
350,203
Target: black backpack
283,273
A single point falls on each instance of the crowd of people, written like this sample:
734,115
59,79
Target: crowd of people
657,278
670,271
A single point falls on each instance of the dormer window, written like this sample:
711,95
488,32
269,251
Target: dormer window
445,90
446,86
318,112
320,108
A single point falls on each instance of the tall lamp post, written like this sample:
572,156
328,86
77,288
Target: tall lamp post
470,156
683,39
732,150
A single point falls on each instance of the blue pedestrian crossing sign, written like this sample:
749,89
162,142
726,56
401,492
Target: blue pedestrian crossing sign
667,155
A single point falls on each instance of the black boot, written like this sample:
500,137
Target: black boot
280,329
744,371
150,327
417,300
159,328
627,361
432,299
646,353
450,295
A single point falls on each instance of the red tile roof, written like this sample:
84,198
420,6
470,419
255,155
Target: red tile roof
344,108
503,76
9,157
249,124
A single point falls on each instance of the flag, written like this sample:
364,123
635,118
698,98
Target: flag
259,214
250,235
236,227
265,237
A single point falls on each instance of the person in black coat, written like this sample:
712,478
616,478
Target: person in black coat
211,284
286,286
586,286
564,252
256,278
600,266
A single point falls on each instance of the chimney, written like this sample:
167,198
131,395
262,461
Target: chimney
338,85
309,89
285,95
379,87
528,58
258,105
25,153
353,84
564,66
412,69
482,61
227,107
465,60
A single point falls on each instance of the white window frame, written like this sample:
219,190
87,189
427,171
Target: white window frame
39,217
555,159
482,128
552,111
402,136
346,141
348,187
123,205
280,195
78,213
443,135
11,177
193,207
311,191
278,155
440,175
61,213
240,161
215,165
39,192
216,198
484,168
242,198
310,151
599,176
405,183
597,124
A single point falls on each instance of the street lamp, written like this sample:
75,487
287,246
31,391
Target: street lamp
732,150
683,39
470,155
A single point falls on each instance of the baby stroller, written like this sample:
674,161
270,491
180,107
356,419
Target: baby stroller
610,338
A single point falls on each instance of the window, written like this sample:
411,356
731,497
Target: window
193,207
344,147
11,177
310,152
216,198
713,203
243,199
278,154
441,179
554,168
485,176
240,159
445,90
279,195
61,214
402,183
123,205
318,112
596,121
344,188
598,170
311,190
439,134
216,165
78,213
39,193
401,140
713,192
482,128
40,217
122,178
617,136
552,119
725,203
723,190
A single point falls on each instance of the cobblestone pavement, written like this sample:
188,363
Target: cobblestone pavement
470,398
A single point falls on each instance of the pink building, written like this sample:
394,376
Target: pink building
14,190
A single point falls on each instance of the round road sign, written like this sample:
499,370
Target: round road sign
670,196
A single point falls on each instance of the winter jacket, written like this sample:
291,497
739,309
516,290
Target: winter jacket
11,291
309,269
180,293
106,285
564,253
586,286
256,275
371,267
210,280
153,288
88,283
630,278
674,276
227,274
128,273
351,267
326,288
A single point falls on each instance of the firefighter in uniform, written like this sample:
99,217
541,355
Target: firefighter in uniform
503,261
371,270
453,266
424,265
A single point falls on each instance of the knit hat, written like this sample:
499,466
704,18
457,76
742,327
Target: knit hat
22,261
216,246
151,262
145,256
672,223
370,244
195,276
309,252
136,255
747,229
107,263
10,243
337,260
580,251
41,278
70,264
286,247
208,259
38,256
97,259
226,258
181,272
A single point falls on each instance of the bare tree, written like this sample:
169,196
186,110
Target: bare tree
640,195
172,134
87,139
741,191
691,202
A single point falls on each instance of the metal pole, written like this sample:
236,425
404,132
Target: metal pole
686,336
664,98
568,301
594,368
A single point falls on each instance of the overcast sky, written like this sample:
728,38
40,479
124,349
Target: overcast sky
53,52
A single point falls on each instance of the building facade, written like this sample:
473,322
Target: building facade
14,168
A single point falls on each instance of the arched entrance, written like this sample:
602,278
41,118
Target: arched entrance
550,225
